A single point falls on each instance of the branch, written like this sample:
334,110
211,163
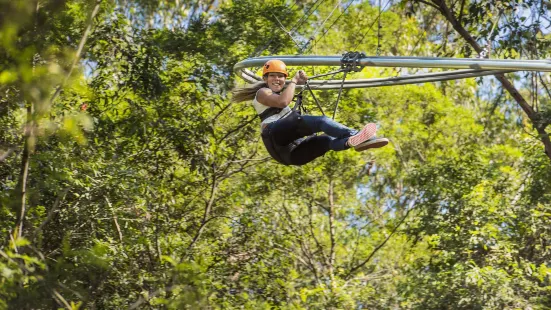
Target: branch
357,243
544,85
244,167
190,17
24,172
150,296
224,168
206,214
57,203
277,247
360,265
79,50
248,160
304,248
209,7
60,300
429,4
29,134
319,204
236,129
461,9
532,115
223,110
114,218
316,241
330,197
6,154
12,240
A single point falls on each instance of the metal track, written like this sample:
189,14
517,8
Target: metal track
474,68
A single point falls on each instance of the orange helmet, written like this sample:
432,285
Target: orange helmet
274,65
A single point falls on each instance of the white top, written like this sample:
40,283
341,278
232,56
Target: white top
259,107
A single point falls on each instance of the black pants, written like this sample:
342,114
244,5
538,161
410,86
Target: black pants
290,141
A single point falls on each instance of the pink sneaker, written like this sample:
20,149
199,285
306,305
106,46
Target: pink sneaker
365,134
372,143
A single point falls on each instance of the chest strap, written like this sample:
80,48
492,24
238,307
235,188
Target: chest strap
269,112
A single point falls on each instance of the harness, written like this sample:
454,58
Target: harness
269,112
282,153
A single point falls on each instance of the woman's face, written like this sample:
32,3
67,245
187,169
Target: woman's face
275,81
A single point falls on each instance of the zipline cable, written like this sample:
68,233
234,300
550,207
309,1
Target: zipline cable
288,32
378,52
304,17
370,27
330,27
339,96
314,97
315,42
258,51
320,26
346,70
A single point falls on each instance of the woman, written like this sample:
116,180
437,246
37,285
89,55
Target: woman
286,134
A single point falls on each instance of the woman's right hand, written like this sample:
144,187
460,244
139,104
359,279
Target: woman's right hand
300,77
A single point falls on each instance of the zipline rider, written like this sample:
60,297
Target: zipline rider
289,136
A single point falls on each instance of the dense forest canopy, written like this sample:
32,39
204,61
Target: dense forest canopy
129,180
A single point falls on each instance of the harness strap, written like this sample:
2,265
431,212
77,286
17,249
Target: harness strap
269,112
299,108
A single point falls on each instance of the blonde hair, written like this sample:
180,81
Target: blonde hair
246,93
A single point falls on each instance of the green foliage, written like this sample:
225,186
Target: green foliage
18,270
148,189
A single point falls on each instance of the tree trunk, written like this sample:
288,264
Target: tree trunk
24,173
331,234
530,112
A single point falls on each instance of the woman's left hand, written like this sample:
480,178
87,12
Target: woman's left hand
301,77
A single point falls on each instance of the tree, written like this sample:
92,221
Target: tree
508,32
146,188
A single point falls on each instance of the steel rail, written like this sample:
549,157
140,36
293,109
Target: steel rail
406,62
404,80
475,68
250,77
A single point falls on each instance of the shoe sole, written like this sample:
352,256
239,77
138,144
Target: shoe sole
371,144
364,135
